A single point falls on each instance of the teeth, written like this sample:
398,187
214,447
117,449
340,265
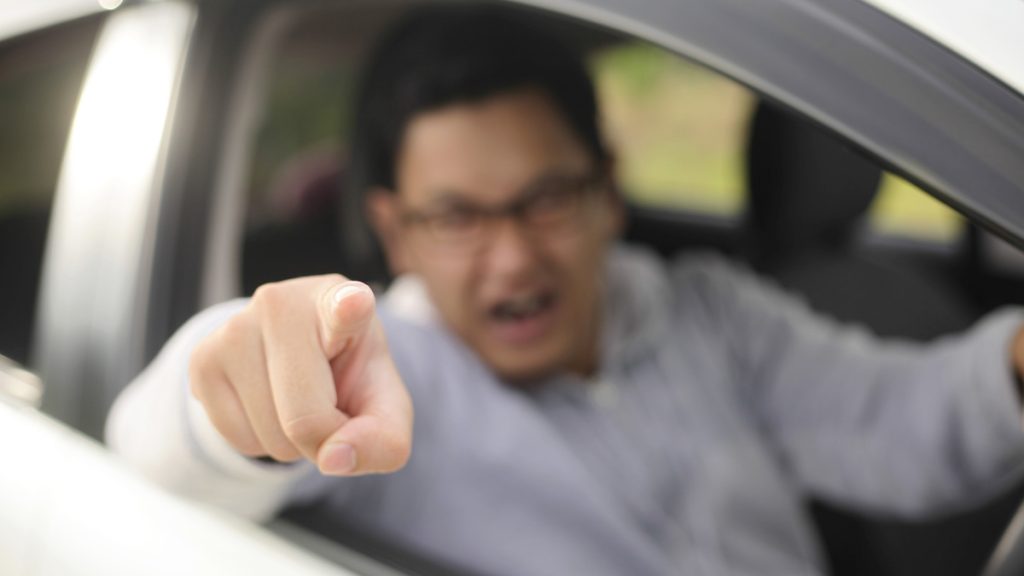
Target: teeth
521,307
526,305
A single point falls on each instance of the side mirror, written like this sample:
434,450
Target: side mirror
18,385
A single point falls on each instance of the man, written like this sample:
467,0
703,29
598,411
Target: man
580,407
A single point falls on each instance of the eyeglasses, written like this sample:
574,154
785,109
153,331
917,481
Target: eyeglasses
551,204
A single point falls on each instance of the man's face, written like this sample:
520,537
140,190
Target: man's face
522,286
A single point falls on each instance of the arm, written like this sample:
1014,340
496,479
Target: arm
885,425
163,431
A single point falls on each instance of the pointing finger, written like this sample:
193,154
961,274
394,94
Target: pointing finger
346,311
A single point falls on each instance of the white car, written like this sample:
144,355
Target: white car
160,156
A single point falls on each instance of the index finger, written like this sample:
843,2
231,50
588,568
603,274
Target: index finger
298,365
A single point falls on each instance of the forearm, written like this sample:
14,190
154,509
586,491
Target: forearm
162,431
914,431
893,426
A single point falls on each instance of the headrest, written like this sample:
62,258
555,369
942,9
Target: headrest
308,184
807,187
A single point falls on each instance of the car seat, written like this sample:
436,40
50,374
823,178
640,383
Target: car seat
809,193
319,228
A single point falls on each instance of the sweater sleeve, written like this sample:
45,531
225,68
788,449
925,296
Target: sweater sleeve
885,425
163,431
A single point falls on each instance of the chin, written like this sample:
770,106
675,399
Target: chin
525,370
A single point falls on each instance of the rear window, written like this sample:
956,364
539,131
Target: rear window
680,132
904,210
678,128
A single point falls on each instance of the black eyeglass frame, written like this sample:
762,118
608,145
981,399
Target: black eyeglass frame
576,188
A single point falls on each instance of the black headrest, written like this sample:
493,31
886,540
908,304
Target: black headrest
807,187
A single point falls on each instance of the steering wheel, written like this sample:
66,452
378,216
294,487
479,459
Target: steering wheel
1008,558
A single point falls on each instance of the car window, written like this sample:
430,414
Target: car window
40,75
300,151
304,124
680,132
904,210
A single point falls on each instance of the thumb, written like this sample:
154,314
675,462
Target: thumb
378,438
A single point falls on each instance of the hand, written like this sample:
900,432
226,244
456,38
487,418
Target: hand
304,371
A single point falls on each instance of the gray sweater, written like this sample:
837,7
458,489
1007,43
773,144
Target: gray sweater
720,404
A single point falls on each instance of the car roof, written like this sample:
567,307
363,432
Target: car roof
986,33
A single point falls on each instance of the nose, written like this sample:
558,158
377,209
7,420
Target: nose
510,252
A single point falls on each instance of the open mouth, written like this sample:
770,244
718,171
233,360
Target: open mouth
522,319
524,308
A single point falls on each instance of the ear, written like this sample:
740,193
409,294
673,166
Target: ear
384,215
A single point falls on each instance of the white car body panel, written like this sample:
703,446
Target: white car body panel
73,509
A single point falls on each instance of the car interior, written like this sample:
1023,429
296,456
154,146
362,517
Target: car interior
802,218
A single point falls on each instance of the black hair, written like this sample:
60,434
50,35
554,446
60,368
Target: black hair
437,56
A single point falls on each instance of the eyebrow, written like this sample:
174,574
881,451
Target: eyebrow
453,198
448,198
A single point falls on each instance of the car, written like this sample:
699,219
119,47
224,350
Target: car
162,156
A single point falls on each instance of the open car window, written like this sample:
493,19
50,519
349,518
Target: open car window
905,211
682,134
679,129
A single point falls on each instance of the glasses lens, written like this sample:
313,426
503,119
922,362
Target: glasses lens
557,203
550,206
455,227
